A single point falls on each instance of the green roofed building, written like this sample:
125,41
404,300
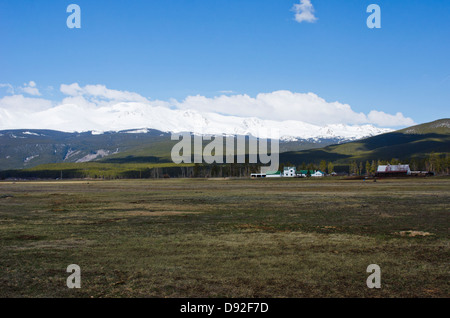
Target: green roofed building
268,174
290,172
273,174
315,173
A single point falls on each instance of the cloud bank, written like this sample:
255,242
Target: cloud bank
83,107
100,92
286,105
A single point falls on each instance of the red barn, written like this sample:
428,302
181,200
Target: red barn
393,171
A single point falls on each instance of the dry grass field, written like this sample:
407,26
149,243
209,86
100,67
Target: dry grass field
225,238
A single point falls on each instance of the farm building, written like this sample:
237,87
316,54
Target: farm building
258,175
268,174
422,173
273,174
312,173
290,172
318,173
393,170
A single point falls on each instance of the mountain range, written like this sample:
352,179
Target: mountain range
29,148
25,148
139,117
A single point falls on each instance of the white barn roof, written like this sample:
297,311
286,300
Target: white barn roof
393,168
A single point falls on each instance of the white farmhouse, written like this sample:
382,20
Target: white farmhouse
318,173
290,172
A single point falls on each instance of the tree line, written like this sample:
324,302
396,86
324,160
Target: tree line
439,164
436,163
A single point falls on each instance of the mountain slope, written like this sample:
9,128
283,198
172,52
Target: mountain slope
417,141
29,148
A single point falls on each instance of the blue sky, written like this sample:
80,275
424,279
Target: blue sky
178,48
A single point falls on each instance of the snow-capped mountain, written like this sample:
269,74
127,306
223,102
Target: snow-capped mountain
73,133
138,116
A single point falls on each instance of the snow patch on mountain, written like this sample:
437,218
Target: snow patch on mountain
70,153
28,159
92,156
137,131
31,133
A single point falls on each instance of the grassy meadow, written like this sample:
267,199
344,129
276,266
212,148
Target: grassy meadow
225,238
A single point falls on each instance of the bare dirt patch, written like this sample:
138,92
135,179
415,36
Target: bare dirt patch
414,233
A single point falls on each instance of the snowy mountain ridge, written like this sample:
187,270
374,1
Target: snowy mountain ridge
137,117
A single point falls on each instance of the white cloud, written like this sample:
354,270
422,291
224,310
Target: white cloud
304,11
382,119
9,88
19,103
27,88
95,107
30,89
286,105
101,92
227,92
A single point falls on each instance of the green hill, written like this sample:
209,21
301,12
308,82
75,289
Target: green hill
21,149
413,142
29,148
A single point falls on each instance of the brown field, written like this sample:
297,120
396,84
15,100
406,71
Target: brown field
225,238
